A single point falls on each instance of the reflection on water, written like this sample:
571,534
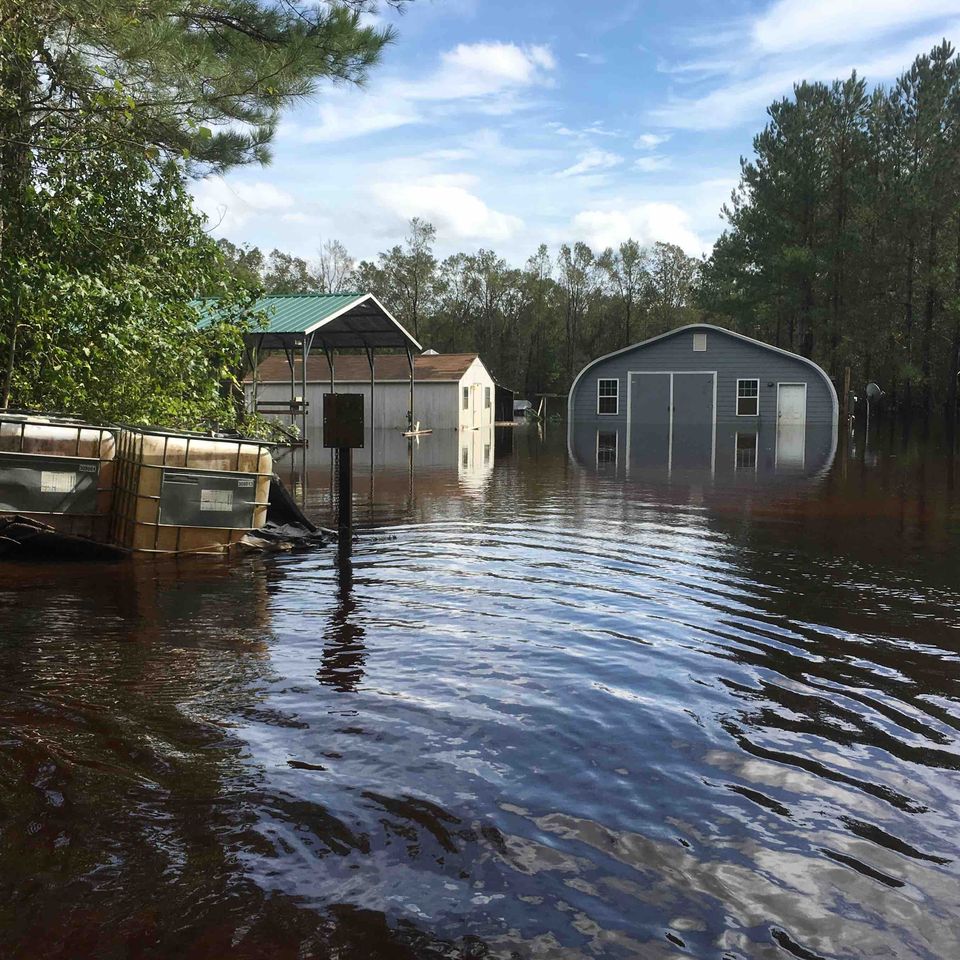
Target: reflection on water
654,451
393,475
552,708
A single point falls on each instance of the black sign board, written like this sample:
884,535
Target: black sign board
343,420
30,483
199,499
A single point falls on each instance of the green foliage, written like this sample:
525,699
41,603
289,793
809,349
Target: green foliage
536,326
843,238
105,108
107,326
188,78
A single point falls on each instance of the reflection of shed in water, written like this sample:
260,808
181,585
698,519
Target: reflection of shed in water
391,472
703,398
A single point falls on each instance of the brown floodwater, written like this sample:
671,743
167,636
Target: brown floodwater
552,708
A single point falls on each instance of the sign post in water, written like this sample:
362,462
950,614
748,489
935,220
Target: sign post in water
343,432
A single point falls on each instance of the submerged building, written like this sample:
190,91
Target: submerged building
703,398
451,391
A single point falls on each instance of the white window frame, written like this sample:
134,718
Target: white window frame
700,336
616,449
615,396
738,398
486,398
736,449
465,401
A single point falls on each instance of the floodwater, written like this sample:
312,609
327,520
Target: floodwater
553,708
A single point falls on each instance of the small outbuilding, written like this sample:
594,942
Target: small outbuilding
452,390
681,399
503,404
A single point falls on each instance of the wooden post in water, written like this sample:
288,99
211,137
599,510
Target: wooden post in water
845,415
342,431
344,501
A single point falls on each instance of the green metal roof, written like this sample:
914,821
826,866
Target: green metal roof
334,320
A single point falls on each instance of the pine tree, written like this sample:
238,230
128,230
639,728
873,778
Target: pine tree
201,81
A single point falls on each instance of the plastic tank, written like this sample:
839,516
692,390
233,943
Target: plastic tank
58,470
188,493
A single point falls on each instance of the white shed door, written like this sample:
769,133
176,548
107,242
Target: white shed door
791,404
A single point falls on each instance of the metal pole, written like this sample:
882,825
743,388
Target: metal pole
333,389
412,411
303,398
288,353
256,373
373,386
333,380
373,383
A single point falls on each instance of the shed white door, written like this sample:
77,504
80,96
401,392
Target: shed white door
791,424
791,404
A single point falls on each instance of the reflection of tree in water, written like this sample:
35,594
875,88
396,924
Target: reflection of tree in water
344,653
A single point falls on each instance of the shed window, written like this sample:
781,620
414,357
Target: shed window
608,396
699,343
466,398
486,398
606,447
748,398
746,451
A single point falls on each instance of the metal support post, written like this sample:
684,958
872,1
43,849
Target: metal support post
412,411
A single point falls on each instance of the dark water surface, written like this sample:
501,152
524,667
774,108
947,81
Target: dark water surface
550,711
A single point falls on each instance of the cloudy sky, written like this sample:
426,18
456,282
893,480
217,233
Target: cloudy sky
508,124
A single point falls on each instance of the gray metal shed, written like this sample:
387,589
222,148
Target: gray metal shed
672,399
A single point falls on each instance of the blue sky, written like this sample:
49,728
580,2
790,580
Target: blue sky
508,124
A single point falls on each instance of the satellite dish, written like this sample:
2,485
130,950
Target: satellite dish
874,393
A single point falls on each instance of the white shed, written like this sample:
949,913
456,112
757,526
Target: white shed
451,391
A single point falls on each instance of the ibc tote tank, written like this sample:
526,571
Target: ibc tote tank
57,470
188,493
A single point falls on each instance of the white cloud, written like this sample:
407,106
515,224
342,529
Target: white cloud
482,70
230,206
756,60
592,161
648,141
727,105
744,99
345,114
652,163
645,223
798,24
447,203
599,130
488,76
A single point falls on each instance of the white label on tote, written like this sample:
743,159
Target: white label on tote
217,500
54,482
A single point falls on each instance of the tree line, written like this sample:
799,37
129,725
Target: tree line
842,243
843,236
535,326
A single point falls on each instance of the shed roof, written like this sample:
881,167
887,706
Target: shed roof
334,320
354,368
